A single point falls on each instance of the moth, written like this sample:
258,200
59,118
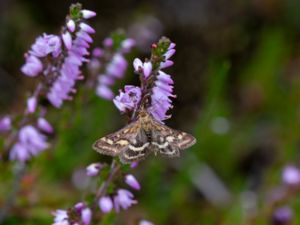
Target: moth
140,138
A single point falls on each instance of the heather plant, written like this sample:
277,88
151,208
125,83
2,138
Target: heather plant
48,164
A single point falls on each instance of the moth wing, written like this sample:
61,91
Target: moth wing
168,141
114,143
138,148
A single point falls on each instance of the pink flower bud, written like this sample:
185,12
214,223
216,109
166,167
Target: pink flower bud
93,169
132,182
71,26
5,124
31,104
44,125
86,14
147,69
67,38
86,216
86,28
291,175
137,64
105,204
108,42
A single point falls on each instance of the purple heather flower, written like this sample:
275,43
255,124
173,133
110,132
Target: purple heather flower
87,28
87,14
128,99
134,164
84,212
97,52
108,42
140,67
44,125
45,45
166,64
71,26
282,216
67,39
105,204
291,175
19,152
145,222
169,53
162,92
31,104
115,69
132,182
61,217
5,124
124,199
86,216
32,67
117,66
93,169
30,143
105,92
127,45
70,70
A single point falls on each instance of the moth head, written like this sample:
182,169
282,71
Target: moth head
143,113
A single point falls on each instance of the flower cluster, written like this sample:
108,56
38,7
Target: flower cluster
5,124
70,71
123,198
30,143
61,64
110,64
154,82
79,214
59,59
43,46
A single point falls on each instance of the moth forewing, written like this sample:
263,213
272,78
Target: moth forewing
185,140
113,144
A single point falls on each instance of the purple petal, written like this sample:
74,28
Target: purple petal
32,67
127,45
137,64
105,92
291,175
86,216
5,124
172,45
44,125
86,14
98,52
71,26
19,152
166,64
282,216
108,42
87,28
93,169
105,204
132,182
124,199
31,104
67,38
147,69
169,53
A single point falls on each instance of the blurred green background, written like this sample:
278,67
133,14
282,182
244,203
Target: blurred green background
237,78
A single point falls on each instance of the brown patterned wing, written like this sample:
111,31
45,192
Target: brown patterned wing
117,142
168,142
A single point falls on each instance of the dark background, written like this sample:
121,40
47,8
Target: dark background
237,81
